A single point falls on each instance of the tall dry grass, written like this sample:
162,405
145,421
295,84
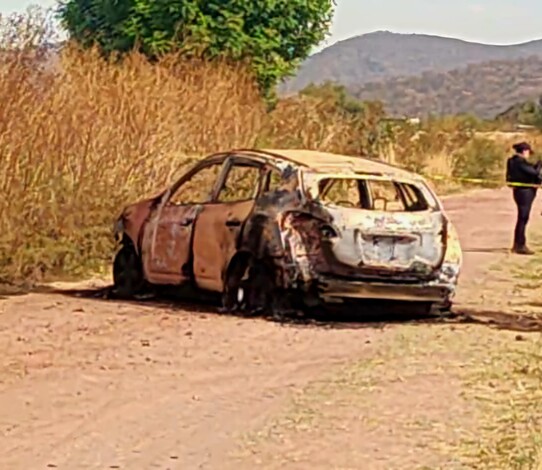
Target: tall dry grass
319,123
79,143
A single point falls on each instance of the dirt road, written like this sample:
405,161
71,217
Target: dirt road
88,383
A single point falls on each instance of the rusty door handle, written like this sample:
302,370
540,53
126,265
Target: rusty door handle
233,223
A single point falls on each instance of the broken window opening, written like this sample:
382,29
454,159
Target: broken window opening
280,180
273,181
242,183
198,188
372,194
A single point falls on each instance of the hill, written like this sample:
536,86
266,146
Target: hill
527,113
485,89
382,55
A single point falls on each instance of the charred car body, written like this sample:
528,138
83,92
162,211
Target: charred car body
275,228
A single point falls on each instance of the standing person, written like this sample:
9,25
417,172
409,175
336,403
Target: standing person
519,170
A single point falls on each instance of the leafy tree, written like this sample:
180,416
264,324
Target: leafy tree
273,35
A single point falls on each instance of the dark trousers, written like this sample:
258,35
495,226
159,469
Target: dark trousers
524,198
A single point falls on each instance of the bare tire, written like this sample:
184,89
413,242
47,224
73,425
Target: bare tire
127,272
234,293
250,288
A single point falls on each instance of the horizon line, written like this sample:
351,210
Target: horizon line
324,45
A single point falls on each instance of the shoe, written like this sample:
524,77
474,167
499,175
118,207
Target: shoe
522,250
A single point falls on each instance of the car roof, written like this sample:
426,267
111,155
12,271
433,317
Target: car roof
326,162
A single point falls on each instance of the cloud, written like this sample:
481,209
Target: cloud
476,8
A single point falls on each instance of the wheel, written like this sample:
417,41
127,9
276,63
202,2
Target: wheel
233,294
128,277
250,288
442,309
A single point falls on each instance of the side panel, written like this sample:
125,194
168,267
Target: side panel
217,231
166,244
133,218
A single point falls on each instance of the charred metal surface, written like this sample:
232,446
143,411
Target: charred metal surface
402,245
284,227
357,253
132,219
215,241
166,244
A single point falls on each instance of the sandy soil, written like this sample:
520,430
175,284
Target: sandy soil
91,383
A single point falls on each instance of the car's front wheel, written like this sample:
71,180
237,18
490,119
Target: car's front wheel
128,277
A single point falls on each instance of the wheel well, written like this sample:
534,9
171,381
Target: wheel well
127,242
240,260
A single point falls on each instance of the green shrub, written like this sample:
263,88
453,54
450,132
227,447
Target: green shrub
480,158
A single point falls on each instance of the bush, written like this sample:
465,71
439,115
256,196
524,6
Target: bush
429,147
480,158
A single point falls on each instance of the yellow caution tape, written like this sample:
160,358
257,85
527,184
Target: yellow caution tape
482,181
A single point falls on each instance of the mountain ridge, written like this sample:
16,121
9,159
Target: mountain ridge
486,89
382,55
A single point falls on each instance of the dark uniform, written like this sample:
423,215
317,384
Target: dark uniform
519,170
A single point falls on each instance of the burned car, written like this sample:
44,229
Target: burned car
279,229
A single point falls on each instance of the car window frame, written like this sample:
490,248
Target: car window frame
329,186
218,160
231,161
268,173
419,188
371,189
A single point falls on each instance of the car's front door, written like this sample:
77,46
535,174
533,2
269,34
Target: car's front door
220,223
167,236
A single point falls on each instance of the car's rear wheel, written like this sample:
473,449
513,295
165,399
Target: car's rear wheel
250,288
128,277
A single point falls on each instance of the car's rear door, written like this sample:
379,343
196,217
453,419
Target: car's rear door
220,223
167,236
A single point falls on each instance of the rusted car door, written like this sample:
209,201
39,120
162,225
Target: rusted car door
220,223
167,236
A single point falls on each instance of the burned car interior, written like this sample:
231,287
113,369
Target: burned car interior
372,194
260,226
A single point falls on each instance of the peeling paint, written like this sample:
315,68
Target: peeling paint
397,241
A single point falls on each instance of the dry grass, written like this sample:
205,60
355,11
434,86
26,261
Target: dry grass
508,392
319,123
449,152
507,385
77,145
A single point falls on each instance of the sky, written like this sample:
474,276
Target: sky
487,21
